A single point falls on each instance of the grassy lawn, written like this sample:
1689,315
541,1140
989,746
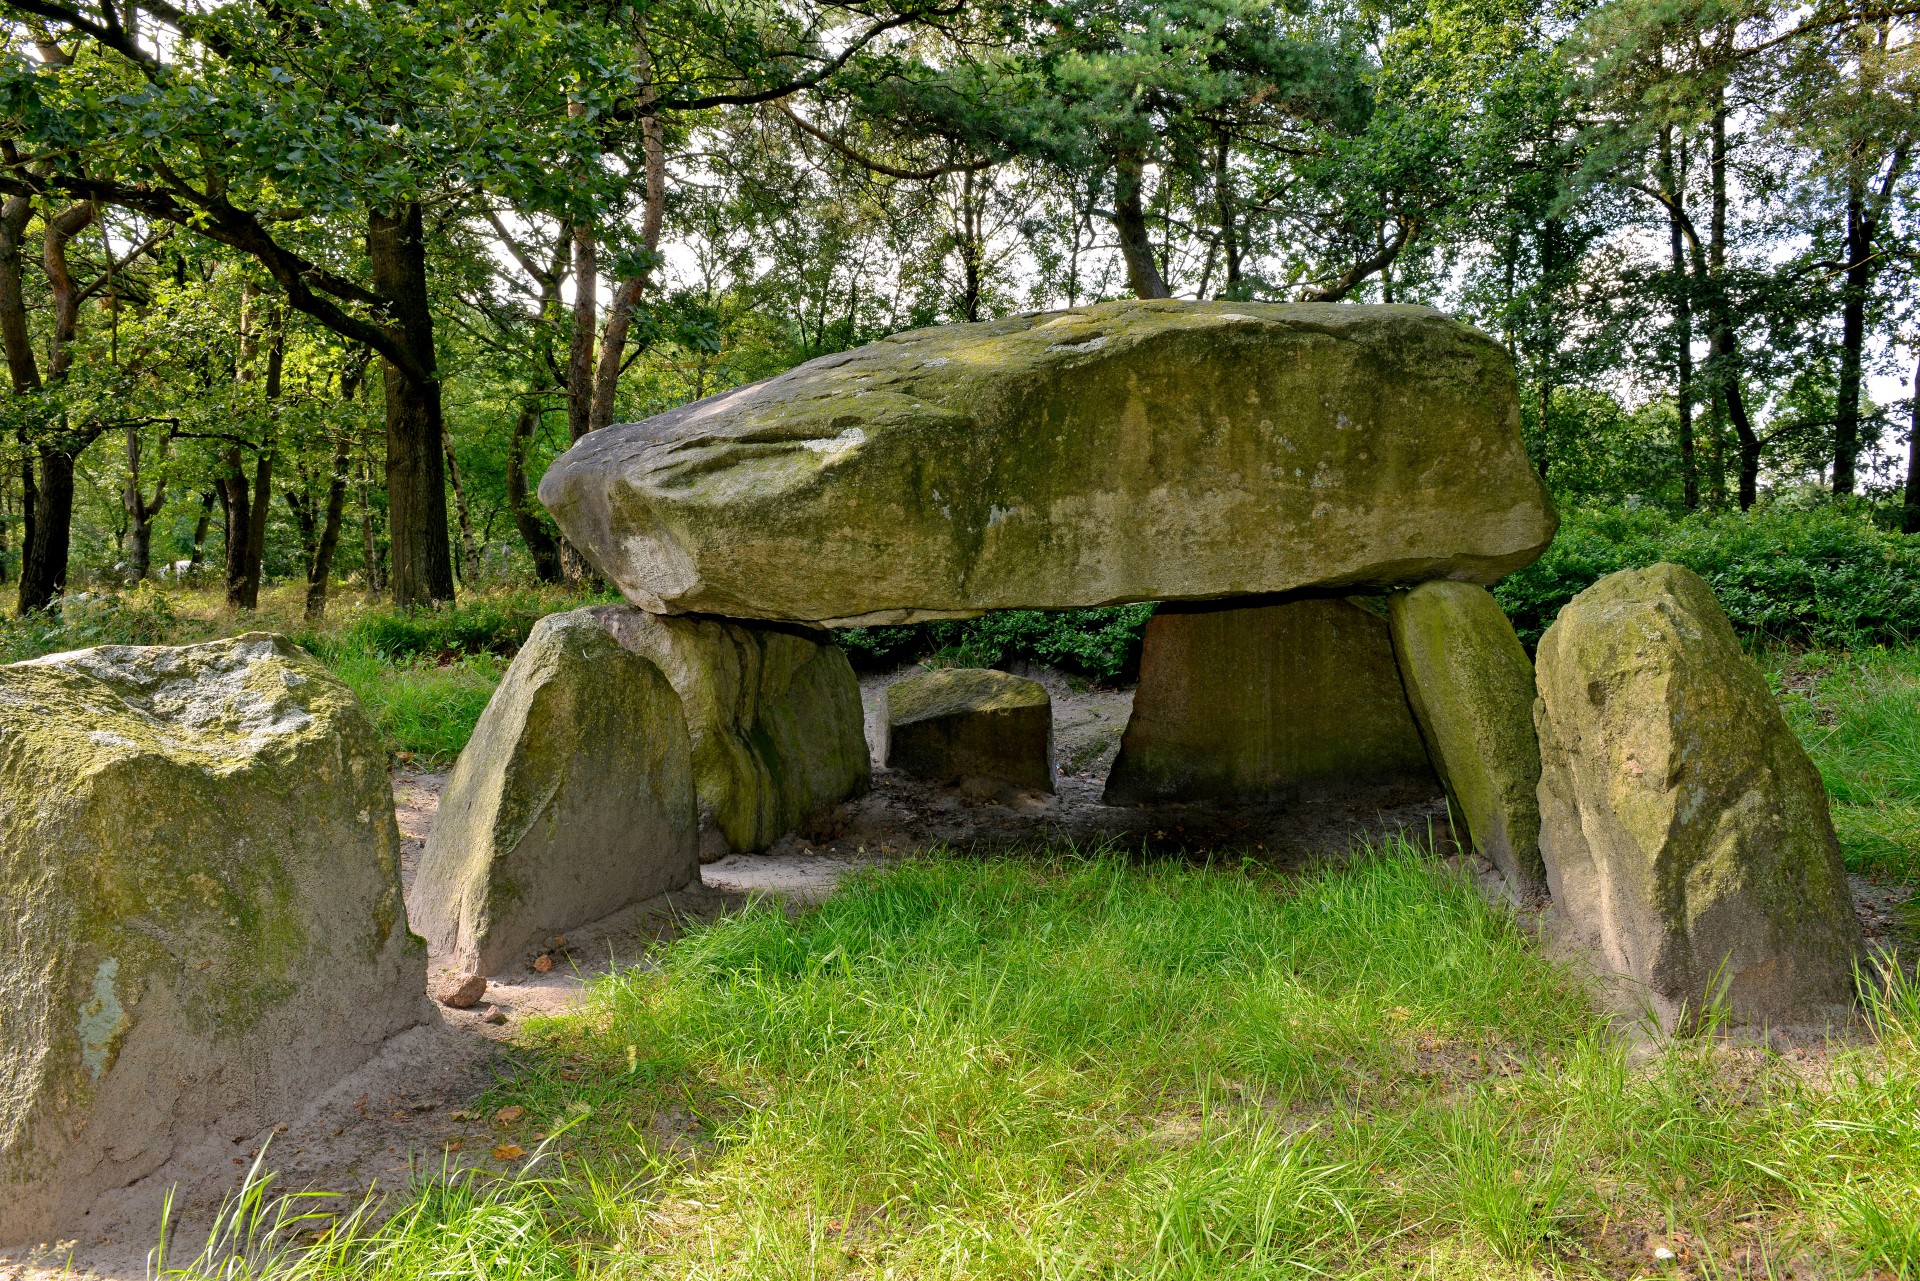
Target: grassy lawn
1076,1066
1858,713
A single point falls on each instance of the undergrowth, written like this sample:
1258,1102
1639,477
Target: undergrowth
1084,1066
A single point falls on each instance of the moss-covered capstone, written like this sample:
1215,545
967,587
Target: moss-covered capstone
203,924
573,799
1300,700
1127,451
1685,833
971,722
774,715
1471,686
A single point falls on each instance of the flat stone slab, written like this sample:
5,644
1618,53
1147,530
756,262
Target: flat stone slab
1127,451
969,722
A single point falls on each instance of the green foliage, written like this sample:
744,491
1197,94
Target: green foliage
1101,643
496,623
1828,575
142,616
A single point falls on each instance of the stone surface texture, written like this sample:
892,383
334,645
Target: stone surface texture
774,716
1685,833
1300,700
573,800
1470,684
203,923
971,722
1125,451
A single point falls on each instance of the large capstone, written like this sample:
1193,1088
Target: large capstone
1120,452
203,924
573,800
971,723
1686,834
1471,686
1295,701
774,715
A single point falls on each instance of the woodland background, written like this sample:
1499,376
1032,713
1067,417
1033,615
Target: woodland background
308,290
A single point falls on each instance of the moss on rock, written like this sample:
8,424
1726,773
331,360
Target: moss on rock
204,923
1121,452
573,799
1685,832
773,713
1471,687
1299,700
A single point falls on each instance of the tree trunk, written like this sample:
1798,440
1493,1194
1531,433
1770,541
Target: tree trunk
369,543
237,502
207,500
320,567
1228,216
469,553
541,544
1853,335
613,337
586,316
43,568
1130,225
43,571
1682,321
140,511
15,213
1910,517
416,478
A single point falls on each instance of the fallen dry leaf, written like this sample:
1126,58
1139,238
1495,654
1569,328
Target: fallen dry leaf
509,1152
509,1114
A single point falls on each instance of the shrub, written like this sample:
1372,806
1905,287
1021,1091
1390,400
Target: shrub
140,616
1826,576
1103,643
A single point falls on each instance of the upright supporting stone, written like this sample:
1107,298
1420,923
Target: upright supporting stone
774,714
971,722
1686,834
1300,700
203,926
1471,687
573,800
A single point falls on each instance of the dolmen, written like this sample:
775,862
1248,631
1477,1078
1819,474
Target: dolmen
204,923
1318,495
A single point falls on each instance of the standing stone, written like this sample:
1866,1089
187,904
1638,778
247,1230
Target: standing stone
1297,701
203,925
1471,687
1126,451
971,722
573,799
774,714
1686,834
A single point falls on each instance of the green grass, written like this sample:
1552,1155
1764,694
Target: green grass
1858,713
1067,1067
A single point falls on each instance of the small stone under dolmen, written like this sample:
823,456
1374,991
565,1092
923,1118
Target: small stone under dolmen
774,715
970,722
1471,687
573,799
1295,701
203,924
1685,832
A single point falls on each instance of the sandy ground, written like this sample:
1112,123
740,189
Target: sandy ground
412,1109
